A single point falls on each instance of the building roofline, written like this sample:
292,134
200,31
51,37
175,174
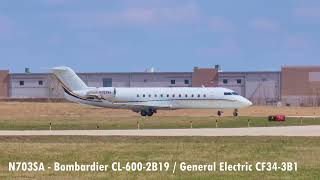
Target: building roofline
126,73
247,72
107,73
306,66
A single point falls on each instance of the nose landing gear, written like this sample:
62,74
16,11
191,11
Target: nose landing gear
235,113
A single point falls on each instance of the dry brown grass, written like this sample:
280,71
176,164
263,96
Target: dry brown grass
18,110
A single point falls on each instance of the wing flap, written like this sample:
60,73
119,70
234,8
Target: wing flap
155,104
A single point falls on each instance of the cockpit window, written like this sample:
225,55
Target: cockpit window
230,93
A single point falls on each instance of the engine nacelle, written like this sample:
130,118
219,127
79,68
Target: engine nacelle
107,93
102,93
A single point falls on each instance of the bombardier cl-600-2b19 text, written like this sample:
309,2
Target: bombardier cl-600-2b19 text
147,100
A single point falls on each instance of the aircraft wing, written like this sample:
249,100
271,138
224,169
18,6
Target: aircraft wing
147,104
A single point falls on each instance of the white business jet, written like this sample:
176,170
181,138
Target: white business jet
147,100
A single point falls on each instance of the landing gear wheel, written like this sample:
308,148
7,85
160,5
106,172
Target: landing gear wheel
219,113
235,113
143,113
150,113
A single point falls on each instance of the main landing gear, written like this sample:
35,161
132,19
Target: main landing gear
235,113
148,112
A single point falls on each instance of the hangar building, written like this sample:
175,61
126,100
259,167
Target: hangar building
290,86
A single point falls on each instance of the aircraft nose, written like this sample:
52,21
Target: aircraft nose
246,102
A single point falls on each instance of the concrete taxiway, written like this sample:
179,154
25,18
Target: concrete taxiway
254,131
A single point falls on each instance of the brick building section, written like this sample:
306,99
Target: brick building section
300,85
4,83
207,77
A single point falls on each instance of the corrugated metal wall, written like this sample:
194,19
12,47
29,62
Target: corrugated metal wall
207,77
301,86
293,85
260,87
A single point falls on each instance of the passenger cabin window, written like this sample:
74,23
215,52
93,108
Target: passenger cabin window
204,95
173,95
167,95
137,95
186,81
40,83
192,95
161,95
144,95
179,95
173,81
155,95
227,93
225,81
21,83
149,95
186,95
238,81
198,95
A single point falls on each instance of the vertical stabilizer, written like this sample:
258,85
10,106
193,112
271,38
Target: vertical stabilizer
69,78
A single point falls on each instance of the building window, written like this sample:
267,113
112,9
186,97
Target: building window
238,81
186,81
145,80
173,81
21,83
225,81
107,82
40,83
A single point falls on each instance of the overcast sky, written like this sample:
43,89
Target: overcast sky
170,35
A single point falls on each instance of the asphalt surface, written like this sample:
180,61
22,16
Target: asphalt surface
254,131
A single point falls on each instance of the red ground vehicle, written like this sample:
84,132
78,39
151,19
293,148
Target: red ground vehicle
277,118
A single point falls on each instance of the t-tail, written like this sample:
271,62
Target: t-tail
75,89
69,79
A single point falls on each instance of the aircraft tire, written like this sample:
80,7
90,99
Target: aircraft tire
143,113
150,113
